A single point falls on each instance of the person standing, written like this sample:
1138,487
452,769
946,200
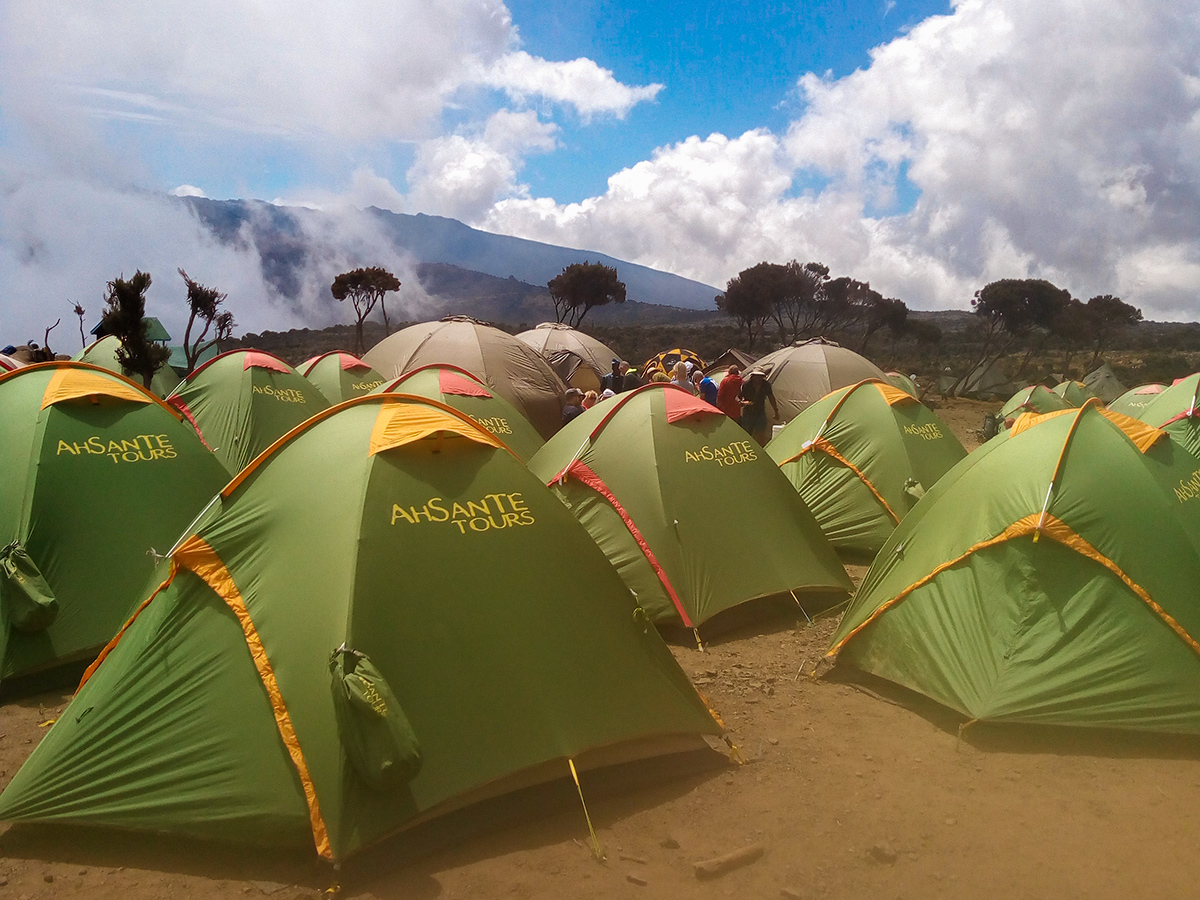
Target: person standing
729,394
574,405
705,387
756,391
680,378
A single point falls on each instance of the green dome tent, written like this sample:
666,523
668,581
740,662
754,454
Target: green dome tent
861,457
461,390
1050,577
808,370
103,353
386,617
240,402
1074,392
97,474
1104,384
511,368
1134,400
339,375
1177,411
696,518
1035,398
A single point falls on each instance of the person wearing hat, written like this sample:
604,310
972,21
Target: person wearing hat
618,380
574,405
756,391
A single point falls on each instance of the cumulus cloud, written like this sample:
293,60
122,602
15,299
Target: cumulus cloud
1044,140
581,83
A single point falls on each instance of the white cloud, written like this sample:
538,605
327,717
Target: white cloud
1047,140
587,87
187,190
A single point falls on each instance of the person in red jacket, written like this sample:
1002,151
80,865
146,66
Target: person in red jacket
728,393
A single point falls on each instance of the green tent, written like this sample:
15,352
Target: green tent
386,617
242,401
904,382
1074,392
1035,398
104,353
1049,577
339,375
460,389
1104,384
97,474
696,518
1134,400
1177,411
861,457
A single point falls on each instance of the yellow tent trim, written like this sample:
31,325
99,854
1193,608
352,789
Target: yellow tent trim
1142,435
1053,528
74,384
398,425
198,557
892,394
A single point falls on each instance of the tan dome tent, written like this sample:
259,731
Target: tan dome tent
808,370
1104,383
591,358
512,368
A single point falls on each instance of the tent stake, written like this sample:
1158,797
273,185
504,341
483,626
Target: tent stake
597,851
797,599
699,643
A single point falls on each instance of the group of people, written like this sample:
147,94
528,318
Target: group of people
742,399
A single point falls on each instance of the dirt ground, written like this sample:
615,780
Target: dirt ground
851,790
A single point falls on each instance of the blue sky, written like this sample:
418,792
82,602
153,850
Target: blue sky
927,148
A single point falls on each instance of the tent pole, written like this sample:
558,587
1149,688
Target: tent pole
597,850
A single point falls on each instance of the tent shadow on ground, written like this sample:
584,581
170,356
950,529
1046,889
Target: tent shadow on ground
404,864
1013,737
765,615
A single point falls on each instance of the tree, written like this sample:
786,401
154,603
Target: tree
1073,329
81,312
580,286
886,313
204,303
125,317
365,288
1012,312
1109,317
752,297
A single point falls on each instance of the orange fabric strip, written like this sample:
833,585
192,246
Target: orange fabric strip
74,384
825,447
1051,527
108,648
198,557
400,424
892,394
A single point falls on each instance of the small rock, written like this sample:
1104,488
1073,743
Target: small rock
634,859
669,844
789,894
83,871
774,741
3,881
882,853
636,879
49,879
952,821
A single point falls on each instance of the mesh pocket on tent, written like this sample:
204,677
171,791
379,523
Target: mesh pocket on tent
375,733
27,601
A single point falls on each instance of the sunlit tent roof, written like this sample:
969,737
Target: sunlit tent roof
1176,410
1050,577
510,367
731,357
665,361
551,338
905,383
861,457
104,353
808,370
694,515
1036,398
467,394
97,473
384,618
339,375
242,401
1073,392
1104,383
1134,400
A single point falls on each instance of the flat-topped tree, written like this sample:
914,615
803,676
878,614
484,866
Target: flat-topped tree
580,286
124,316
365,288
204,303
